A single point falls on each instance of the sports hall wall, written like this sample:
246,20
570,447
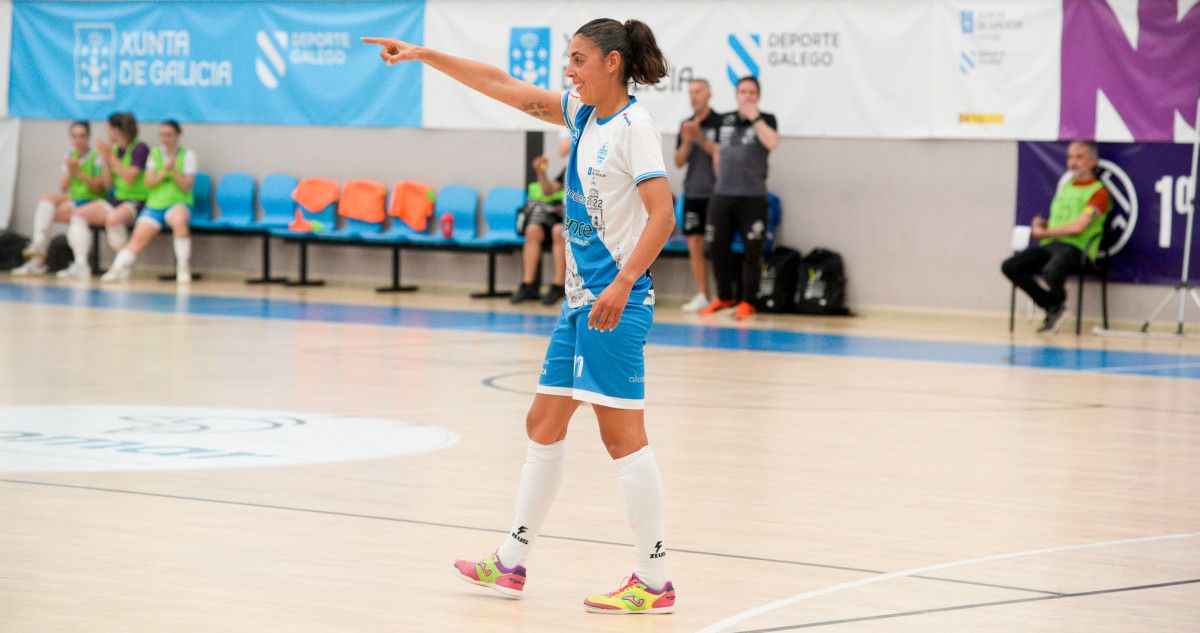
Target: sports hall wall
913,181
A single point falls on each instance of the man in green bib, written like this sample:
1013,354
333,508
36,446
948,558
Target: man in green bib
1076,223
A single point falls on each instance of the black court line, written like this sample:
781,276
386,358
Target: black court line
975,605
456,526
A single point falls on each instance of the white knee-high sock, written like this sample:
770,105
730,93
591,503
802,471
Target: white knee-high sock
183,252
540,479
43,217
117,235
124,259
79,237
641,488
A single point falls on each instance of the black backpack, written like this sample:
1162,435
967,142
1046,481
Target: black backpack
12,248
59,254
822,287
777,287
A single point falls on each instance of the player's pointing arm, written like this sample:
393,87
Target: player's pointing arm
484,78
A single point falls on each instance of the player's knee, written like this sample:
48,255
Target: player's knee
540,429
177,218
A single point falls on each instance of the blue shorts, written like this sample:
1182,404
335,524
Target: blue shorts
605,368
160,215
81,202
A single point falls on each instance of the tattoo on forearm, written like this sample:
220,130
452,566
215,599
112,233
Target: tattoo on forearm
536,109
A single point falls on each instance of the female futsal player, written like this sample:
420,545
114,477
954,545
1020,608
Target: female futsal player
124,163
81,184
170,174
618,215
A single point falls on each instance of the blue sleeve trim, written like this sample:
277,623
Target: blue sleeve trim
566,118
648,175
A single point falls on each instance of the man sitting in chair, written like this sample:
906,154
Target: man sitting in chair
1074,229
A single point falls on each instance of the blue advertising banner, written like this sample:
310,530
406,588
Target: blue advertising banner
228,62
1151,190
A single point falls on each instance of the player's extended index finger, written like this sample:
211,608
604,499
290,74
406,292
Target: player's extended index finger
382,41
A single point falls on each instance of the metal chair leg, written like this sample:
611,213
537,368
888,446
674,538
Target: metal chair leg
1079,305
1012,307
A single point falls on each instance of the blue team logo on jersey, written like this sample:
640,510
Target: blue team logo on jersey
745,51
529,54
95,61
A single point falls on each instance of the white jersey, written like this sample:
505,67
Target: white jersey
604,215
190,161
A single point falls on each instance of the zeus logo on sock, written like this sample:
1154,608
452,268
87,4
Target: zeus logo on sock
517,535
657,553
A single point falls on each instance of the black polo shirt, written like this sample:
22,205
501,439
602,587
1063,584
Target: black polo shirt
743,157
699,179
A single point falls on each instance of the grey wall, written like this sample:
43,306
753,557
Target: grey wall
922,225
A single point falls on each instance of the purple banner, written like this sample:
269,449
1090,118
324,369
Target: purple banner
1151,194
1147,83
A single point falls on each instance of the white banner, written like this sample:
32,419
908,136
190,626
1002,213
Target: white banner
996,70
811,61
855,68
10,134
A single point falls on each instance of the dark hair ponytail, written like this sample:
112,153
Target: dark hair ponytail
125,122
641,60
646,65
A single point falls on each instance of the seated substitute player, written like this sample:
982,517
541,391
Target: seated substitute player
170,175
124,162
81,184
543,220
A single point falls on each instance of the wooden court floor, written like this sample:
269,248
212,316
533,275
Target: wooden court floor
831,491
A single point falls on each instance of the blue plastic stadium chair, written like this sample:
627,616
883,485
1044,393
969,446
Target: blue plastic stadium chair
677,243
202,210
500,208
460,202
275,198
235,199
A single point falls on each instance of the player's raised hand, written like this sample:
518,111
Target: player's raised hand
393,50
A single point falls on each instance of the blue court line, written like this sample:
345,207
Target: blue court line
672,334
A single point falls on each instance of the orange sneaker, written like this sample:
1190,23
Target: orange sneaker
744,311
716,306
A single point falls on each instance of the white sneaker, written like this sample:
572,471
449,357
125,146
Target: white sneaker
697,303
32,266
77,270
183,275
117,273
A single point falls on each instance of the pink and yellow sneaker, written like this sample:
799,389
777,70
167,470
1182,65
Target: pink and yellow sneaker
633,597
490,572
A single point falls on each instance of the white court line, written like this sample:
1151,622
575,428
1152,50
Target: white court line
800,597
